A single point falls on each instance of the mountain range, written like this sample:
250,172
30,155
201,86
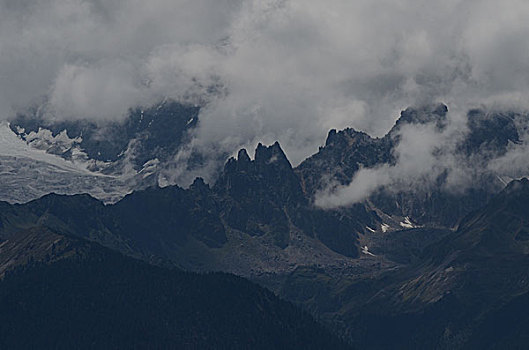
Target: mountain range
405,267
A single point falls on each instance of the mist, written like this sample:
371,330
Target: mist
262,71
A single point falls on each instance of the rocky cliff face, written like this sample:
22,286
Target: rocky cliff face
264,195
255,206
489,136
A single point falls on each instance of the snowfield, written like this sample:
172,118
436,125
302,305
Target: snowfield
27,173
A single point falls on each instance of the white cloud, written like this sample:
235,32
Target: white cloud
264,70
423,153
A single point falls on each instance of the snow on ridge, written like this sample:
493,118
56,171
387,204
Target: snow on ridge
43,138
149,168
12,145
27,173
366,251
23,179
407,223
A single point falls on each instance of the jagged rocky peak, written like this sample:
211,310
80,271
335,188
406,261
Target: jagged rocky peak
346,137
271,155
420,115
242,163
265,157
423,115
243,156
269,171
199,185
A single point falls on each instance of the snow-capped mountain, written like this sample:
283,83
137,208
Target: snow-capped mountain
109,160
28,173
40,155
392,258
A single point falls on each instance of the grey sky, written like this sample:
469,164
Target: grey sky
285,70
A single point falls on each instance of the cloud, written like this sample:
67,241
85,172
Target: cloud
514,164
423,153
365,182
264,70
100,92
429,159
81,54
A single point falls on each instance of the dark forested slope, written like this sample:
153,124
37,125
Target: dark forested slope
66,293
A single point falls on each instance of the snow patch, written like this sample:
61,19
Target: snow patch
12,145
27,173
44,139
149,167
366,251
407,223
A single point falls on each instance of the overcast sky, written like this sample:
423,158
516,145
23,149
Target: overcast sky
264,70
